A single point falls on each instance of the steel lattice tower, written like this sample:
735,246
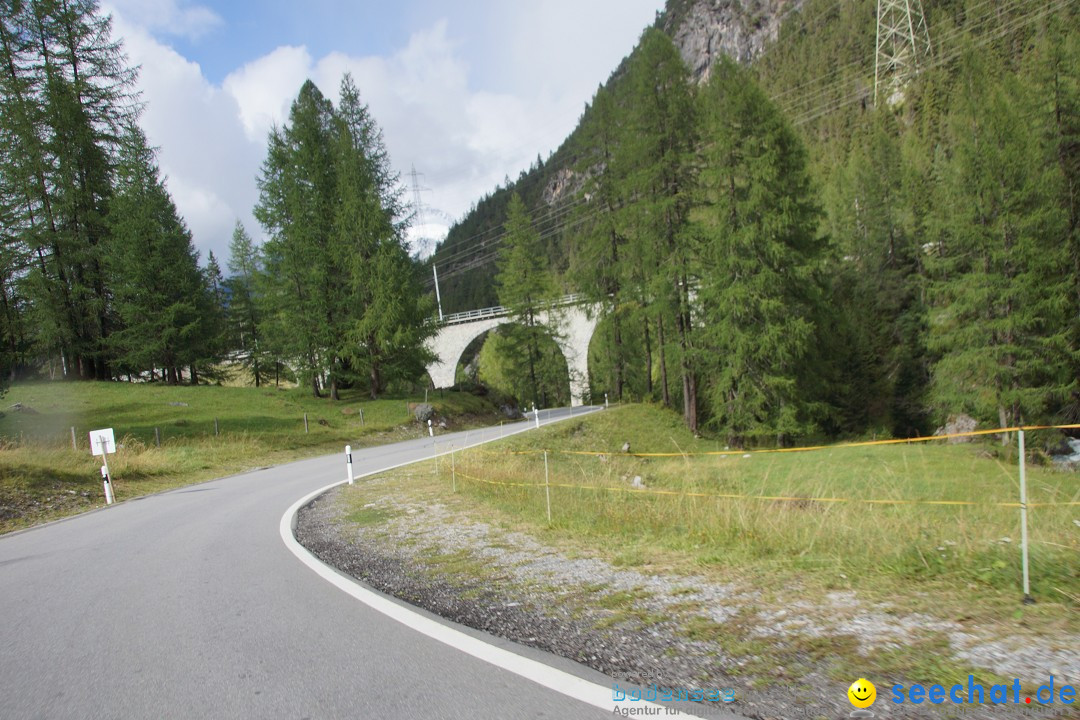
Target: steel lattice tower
903,44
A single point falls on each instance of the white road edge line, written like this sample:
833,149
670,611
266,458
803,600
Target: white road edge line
539,673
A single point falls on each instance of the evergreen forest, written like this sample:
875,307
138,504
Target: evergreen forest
99,276
777,255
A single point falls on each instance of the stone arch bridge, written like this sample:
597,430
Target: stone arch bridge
574,319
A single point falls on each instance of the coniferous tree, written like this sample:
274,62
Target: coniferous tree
244,316
659,138
598,266
876,336
526,288
296,206
386,335
159,293
1000,281
760,249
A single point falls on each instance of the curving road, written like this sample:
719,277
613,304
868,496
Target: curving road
188,604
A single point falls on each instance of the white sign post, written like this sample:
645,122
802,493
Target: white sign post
348,462
102,443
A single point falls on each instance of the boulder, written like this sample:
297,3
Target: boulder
958,424
423,412
511,412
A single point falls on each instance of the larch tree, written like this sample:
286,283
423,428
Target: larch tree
759,253
526,288
659,137
297,196
159,293
244,316
1001,287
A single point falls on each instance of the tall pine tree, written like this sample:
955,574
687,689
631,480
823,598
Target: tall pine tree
759,253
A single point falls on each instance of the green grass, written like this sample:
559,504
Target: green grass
943,562
972,550
42,478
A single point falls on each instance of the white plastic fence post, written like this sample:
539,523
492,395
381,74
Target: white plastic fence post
547,486
1028,600
108,486
348,462
605,401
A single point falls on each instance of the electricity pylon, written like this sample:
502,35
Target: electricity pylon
418,217
903,44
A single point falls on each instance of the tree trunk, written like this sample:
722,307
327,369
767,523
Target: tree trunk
376,380
619,369
665,392
315,385
689,379
376,367
194,376
334,388
648,357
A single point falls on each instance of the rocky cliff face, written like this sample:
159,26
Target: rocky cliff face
703,30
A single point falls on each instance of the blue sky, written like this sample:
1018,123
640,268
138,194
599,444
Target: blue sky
467,92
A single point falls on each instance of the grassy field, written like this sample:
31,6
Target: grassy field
806,515
42,478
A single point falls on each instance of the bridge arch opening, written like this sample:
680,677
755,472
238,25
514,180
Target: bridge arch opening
496,359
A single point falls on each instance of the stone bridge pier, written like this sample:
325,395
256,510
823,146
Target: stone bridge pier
573,324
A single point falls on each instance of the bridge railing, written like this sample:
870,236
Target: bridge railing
499,311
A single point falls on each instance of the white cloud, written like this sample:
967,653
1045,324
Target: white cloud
168,16
264,88
208,160
464,139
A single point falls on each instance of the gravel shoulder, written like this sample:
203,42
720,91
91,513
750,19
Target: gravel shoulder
786,655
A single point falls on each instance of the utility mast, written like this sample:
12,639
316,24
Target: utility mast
418,202
418,209
903,46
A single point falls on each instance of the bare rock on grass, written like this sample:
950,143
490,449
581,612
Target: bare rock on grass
423,412
958,424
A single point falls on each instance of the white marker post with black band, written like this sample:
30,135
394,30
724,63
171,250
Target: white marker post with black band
348,462
102,443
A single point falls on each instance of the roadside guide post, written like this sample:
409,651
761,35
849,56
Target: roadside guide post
348,462
536,416
102,443
1028,600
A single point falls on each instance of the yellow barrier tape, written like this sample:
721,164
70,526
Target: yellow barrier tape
807,448
778,498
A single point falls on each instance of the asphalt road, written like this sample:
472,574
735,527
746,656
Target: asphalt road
188,604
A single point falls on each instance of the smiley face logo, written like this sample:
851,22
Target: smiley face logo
862,693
